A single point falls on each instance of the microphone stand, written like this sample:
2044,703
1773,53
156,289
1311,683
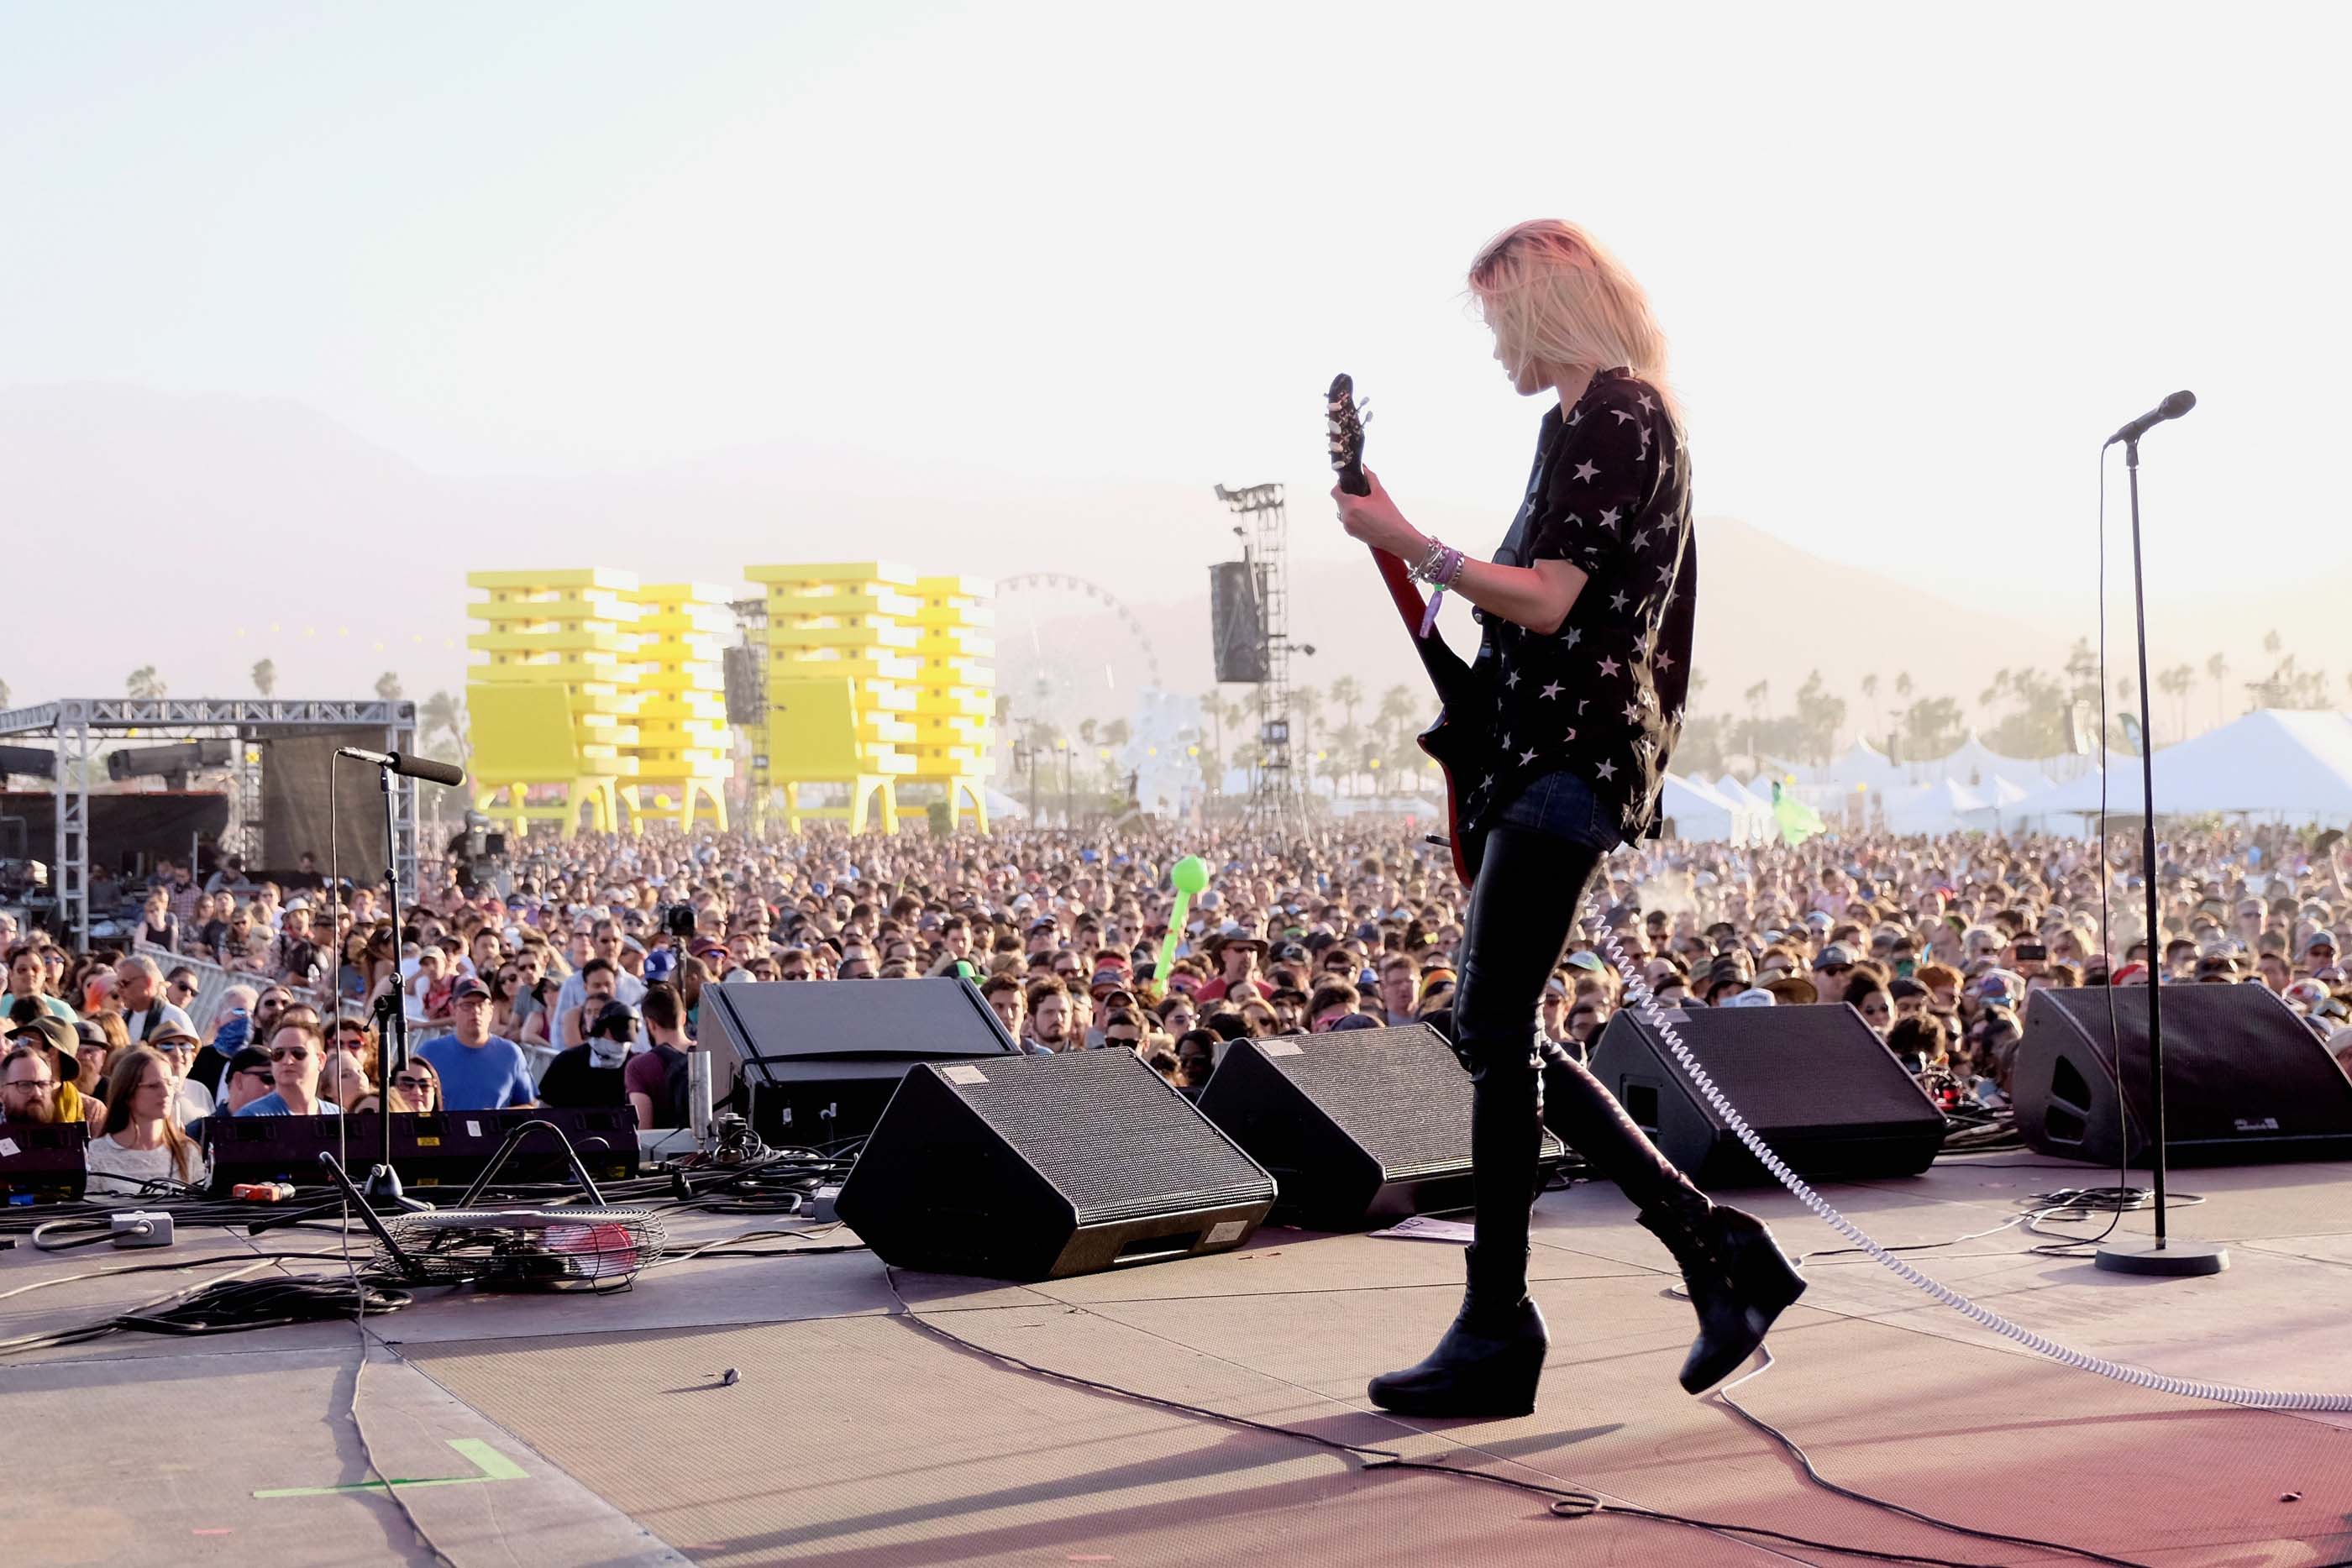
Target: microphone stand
2163,1257
384,1182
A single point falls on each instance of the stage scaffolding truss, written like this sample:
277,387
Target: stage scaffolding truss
77,725
1275,796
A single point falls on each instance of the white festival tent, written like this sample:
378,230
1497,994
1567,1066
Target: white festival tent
2002,800
1757,808
2273,765
1938,808
1861,763
1697,812
1977,765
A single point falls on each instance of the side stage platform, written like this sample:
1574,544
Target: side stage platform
605,1431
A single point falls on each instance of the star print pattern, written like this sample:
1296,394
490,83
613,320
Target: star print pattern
1612,496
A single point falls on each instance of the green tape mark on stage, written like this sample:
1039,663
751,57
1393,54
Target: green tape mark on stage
494,1466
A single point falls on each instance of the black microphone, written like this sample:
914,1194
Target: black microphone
2173,407
423,768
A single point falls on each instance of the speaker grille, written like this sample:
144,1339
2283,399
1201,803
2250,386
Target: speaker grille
1130,1157
1375,1084
1775,1075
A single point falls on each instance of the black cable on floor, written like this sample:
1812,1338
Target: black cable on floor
1565,1502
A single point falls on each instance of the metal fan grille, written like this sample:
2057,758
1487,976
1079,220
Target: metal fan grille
540,1250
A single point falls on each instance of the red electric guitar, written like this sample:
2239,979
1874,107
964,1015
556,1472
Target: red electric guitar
1456,747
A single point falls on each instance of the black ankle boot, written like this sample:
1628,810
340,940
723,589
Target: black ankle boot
1739,1280
1488,1363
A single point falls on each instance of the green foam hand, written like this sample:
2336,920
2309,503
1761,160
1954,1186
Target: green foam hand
1188,876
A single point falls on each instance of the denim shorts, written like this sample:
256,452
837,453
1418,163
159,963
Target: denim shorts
1562,804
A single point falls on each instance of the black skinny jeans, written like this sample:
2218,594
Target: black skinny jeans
1531,886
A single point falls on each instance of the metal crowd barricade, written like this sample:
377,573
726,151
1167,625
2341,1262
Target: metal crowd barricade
214,981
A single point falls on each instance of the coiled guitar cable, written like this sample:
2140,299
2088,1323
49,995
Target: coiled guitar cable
2187,1388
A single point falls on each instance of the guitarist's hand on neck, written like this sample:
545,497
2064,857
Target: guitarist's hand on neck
1373,519
1536,597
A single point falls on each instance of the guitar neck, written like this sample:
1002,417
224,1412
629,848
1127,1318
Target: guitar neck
1447,671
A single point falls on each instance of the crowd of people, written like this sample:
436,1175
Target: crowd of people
571,972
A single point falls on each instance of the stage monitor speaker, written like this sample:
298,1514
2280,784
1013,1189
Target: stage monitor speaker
815,1061
43,1162
2245,1080
1034,1167
1237,622
1822,1090
1361,1127
429,1148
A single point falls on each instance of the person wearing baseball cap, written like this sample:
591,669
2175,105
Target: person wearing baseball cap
479,1071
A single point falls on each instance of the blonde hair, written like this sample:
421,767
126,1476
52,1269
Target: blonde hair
1556,298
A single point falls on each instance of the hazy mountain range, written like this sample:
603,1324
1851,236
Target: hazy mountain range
201,533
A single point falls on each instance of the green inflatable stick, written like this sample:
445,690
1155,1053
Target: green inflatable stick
1188,876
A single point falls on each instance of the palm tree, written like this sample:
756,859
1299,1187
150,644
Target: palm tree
2175,683
1308,704
1233,713
1397,711
1213,709
2216,668
444,714
1348,740
387,686
144,682
265,677
4,693
1347,693
1757,696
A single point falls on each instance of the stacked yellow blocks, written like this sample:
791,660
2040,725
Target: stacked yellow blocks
955,693
684,749
610,692
842,676
556,702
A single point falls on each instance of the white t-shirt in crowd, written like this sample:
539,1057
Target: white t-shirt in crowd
117,1172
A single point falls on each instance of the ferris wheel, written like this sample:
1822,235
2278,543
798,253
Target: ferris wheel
1045,672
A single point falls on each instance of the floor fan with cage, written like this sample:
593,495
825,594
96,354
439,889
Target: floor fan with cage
593,1248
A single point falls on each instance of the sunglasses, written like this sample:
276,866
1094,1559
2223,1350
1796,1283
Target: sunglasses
290,1054
415,1085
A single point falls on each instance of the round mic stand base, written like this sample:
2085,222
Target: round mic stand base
2176,1258
383,1186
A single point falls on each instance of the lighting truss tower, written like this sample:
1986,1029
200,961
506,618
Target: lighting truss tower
1264,530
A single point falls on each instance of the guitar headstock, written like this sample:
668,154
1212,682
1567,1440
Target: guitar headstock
1346,422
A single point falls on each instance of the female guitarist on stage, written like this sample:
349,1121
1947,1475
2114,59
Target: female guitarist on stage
1584,665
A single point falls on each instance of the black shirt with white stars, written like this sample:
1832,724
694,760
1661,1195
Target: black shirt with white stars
1602,696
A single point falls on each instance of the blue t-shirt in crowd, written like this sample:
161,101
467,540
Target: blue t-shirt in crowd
274,1104
491,1076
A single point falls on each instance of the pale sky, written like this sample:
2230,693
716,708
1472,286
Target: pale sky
1916,262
